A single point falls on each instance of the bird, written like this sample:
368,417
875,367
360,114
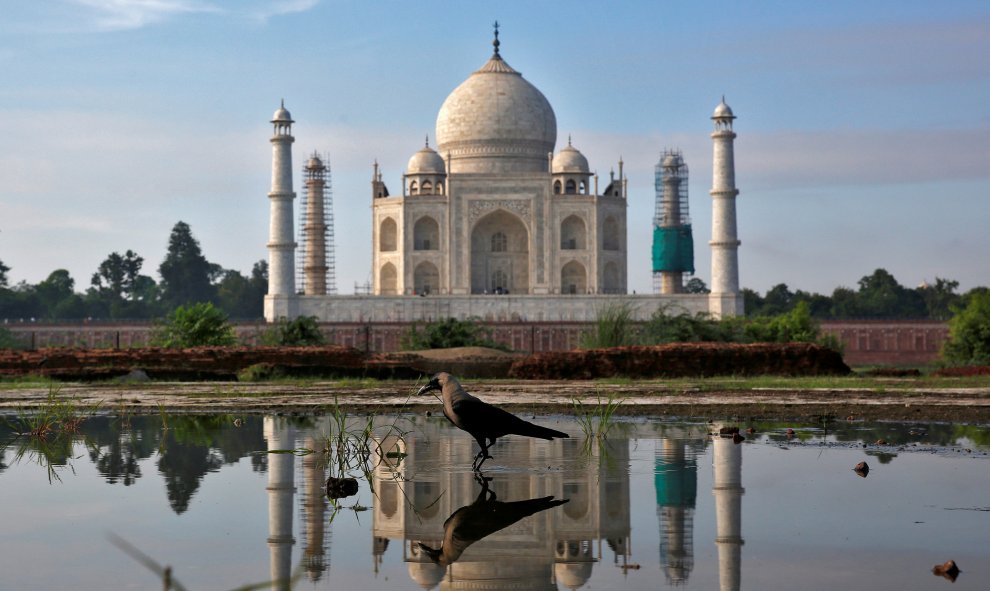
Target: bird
485,516
480,419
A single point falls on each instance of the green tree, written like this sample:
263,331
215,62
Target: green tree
969,331
4,269
447,333
243,297
696,285
195,325
940,298
302,331
186,274
881,296
57,297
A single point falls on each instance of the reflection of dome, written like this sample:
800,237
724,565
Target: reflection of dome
571,160
496,121
722,111
426,161
426,574
572,574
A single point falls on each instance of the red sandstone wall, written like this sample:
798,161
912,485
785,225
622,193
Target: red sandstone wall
867,342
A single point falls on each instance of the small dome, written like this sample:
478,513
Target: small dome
722,111
426,161
314,162
672,160
570,159
572,574
282,115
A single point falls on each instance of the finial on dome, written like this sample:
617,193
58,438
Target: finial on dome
568,140
496,43
427,140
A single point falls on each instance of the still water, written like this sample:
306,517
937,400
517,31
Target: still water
227,502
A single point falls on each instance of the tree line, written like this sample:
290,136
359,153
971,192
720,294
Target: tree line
119,290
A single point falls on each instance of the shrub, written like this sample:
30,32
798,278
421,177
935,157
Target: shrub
969,331
194,326
9,341
447,333
304,330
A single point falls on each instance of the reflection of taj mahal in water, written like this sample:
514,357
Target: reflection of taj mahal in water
498,224
562,547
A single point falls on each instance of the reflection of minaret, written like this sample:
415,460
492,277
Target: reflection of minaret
281,489
314,510
728,491
676,484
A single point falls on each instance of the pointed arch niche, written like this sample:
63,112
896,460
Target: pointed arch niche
500,252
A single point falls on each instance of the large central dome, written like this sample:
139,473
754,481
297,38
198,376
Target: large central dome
496,122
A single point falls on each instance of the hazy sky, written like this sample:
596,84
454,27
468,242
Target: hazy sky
863,127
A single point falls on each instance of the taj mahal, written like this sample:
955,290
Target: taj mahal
494,222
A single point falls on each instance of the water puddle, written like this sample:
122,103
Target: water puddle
226,502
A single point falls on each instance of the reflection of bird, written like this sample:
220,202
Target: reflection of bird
483,517
480,419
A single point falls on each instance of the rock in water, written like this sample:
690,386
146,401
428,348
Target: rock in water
862,469
338,488
949,570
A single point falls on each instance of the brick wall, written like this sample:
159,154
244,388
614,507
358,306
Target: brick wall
867,342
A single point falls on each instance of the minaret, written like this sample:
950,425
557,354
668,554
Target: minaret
725,299
281,243
315,228
281,490
728,491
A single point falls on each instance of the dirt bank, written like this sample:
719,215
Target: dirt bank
674,399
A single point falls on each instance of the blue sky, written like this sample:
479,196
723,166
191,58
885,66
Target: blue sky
863,127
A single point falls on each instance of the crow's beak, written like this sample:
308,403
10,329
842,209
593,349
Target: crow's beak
431,385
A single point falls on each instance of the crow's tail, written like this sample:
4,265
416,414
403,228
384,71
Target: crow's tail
531,430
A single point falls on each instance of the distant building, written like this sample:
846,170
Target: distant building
494,223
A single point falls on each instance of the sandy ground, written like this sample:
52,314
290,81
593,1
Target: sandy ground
967,405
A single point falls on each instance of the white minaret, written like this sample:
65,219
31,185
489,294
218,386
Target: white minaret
281,243
725,299
281,490
728,491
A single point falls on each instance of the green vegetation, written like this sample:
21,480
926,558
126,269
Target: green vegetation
119,290
194,326
613,328
447,333
304,330
597,420
969,331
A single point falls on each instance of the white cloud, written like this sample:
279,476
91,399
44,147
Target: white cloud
117,15
120,15
266,10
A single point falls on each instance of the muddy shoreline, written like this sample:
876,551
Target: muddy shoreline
959,405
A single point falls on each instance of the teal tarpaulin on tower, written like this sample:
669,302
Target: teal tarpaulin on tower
673,249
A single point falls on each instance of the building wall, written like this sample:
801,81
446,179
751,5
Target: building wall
865,342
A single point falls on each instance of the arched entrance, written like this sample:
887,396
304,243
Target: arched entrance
500,254
426,278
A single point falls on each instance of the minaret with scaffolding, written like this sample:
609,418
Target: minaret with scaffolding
317,275
673,245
